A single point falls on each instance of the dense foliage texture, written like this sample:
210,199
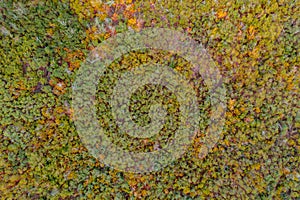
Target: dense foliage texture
255,45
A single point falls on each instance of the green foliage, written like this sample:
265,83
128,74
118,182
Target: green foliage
255,45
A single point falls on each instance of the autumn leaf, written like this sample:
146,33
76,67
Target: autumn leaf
221,14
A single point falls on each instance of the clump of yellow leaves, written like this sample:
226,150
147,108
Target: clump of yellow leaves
221,14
